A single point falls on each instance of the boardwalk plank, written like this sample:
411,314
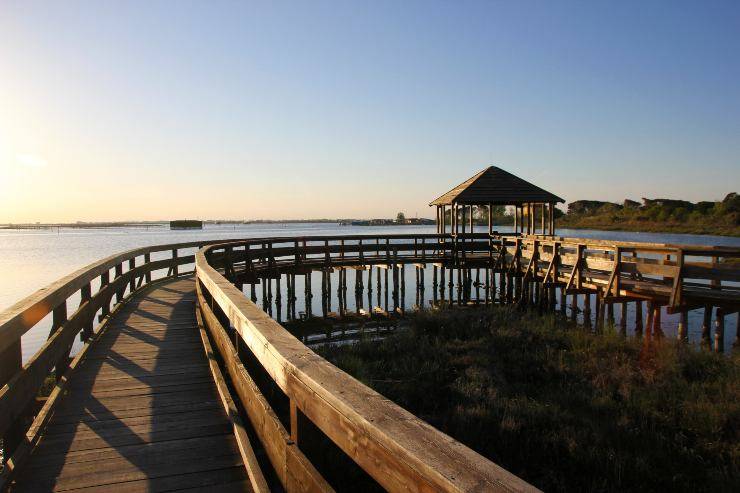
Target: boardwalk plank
141,410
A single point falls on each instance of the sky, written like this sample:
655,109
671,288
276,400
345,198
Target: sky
242,110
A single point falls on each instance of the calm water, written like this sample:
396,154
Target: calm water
31,259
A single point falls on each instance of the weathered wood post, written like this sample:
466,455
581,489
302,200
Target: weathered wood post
477,286
289,296
120,290
379,286
649,325
487,290
104,281
600,312
293,297
307,294
493,285
87,328
175,266
370,289
329,271
683,326
451,284
638,318
719,331
442,282
278,298
657,324
403,286
396,280
587,310
434,284
610,314
623,319
147,260
324,307
563,301
11,362
269,296
385,288
574,307
358,289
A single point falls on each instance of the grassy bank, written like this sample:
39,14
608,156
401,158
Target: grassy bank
562,408
657,215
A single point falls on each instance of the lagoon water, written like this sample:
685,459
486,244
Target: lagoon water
31,259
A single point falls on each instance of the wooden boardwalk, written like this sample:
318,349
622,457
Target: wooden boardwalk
142,412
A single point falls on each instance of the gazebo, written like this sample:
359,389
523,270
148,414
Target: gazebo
494,186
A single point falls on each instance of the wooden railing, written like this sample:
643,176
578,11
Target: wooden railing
101,287
398,450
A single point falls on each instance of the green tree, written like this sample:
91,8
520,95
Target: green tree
401,217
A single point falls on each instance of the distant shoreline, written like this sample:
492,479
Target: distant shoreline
165,224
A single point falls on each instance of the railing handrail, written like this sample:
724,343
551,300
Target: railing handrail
20,317
423,458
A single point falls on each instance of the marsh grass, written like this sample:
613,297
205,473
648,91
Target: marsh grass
563,408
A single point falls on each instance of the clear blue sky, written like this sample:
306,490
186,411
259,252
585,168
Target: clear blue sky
147,110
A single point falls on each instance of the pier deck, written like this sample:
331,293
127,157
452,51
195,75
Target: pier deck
142,411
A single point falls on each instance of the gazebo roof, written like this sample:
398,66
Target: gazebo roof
495,186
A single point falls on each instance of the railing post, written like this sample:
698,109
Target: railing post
11,362
59,318
104,281
85,297
119,292
175,267
719,331
132,281
676,291
148,275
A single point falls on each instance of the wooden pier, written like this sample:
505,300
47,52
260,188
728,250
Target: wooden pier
186,380
141,408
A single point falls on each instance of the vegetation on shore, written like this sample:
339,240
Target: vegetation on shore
565,409
657,215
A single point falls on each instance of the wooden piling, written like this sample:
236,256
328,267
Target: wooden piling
278,299
719,331
587,310
574,307
308,295
649,324
638,318
623,319
403,287
610,314
683,326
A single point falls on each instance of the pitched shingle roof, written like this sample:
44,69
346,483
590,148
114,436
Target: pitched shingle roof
496,186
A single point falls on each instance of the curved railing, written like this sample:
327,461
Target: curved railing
100,287
398,450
